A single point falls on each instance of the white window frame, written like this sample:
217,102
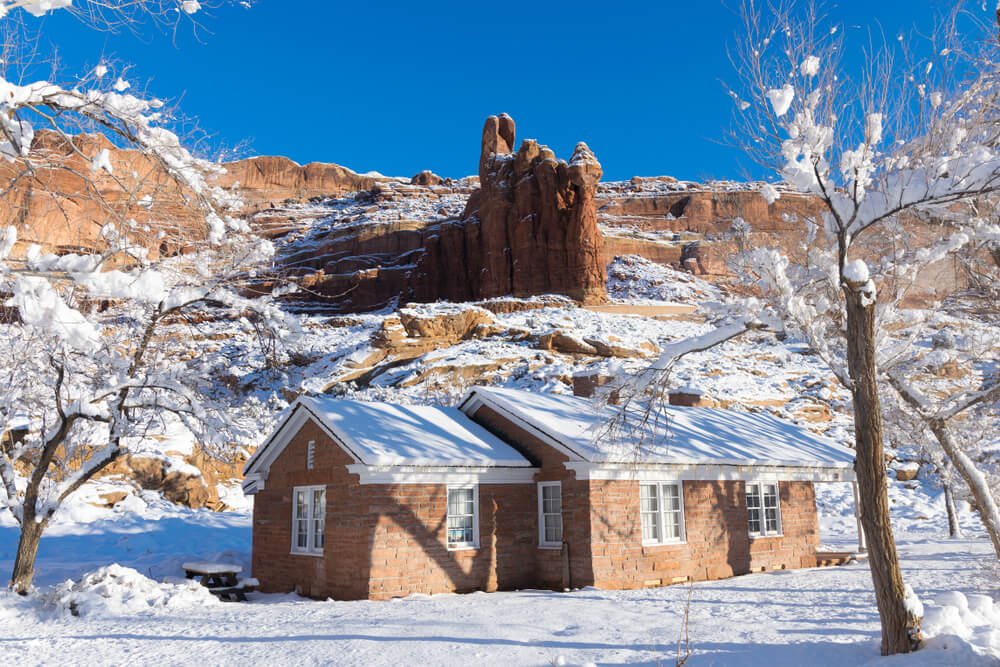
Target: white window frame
542,542
310,455
662,512
764,532
310,549
459,546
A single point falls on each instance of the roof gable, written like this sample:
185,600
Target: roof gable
384,434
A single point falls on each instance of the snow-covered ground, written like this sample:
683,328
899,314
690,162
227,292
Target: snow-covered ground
807,617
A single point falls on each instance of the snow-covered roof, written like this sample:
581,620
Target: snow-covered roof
385,434
683,435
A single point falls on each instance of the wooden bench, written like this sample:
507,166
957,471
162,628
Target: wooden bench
221,580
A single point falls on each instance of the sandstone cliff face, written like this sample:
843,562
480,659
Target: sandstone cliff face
530,229
266,180
667,220
63,205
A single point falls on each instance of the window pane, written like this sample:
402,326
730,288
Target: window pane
302,533
553,528
771,520
460,501
551,499
318,502
650,526
671,497
460,529
319,517
754,523
301,510
649,501
753,495
672,527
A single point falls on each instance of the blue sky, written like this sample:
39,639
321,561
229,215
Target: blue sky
403,86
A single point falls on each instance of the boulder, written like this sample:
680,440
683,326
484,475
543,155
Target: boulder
426,178
451,325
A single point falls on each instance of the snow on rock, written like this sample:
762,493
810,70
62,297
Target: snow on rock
115,590
636,279
781,99
770,193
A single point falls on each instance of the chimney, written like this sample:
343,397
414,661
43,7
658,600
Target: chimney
586,383
687,396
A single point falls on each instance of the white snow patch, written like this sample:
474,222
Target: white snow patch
856,271
781,99
810,66
115,590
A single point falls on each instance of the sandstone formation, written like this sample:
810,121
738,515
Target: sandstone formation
530,229
63,203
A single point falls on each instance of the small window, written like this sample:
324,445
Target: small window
463,517
310,454
308,519
550,526
763,509
661,511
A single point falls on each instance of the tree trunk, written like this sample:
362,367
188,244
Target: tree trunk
27,552
954,529
989,512
900,627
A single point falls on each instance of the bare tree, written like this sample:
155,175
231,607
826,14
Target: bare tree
938,418
93,359
909,138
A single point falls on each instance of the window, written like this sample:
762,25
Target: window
661,510
310,455
463,517
763,509
549,514
308,519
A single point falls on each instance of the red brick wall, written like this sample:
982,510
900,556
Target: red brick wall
800,532
409,552
717,541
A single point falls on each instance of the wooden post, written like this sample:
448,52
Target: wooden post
862,544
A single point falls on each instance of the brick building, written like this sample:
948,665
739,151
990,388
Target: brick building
516,489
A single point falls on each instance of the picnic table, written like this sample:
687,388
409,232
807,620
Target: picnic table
220,579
